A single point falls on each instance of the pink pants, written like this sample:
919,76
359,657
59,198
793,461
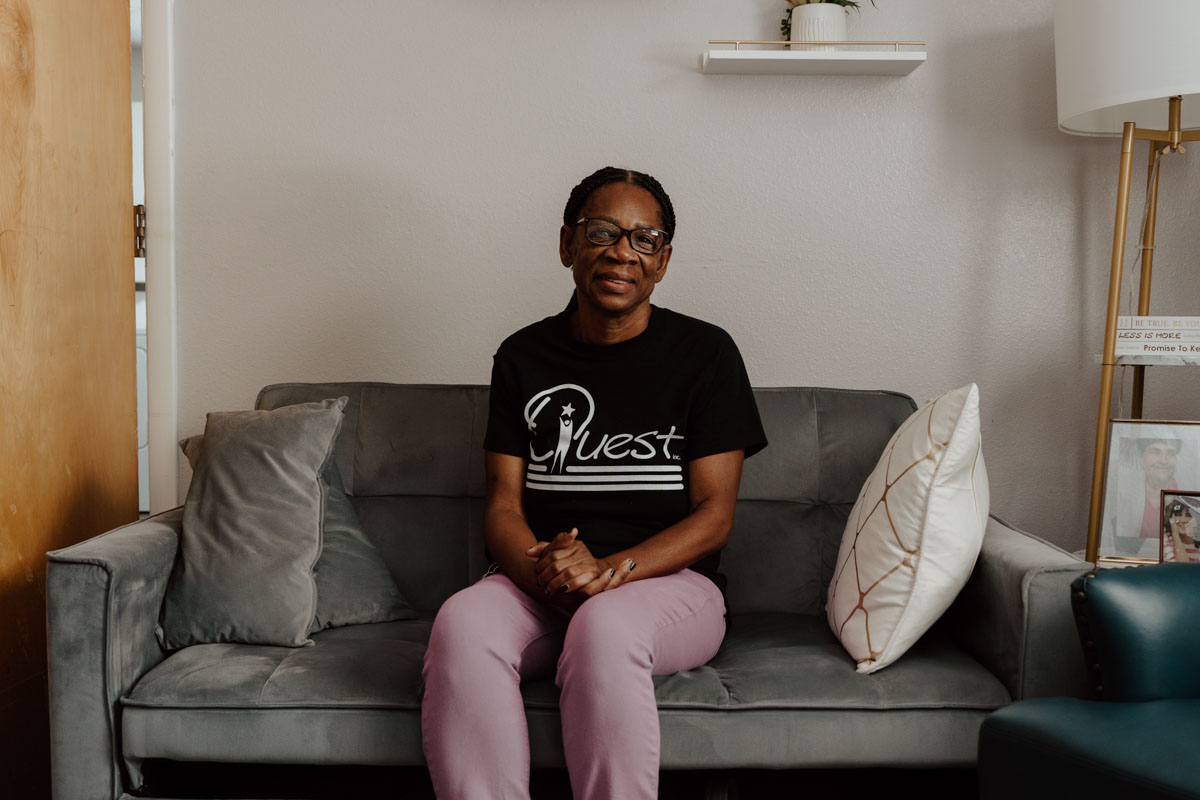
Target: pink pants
491,636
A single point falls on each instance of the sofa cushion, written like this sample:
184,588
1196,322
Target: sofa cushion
432,545
252,527
354,697
403,440
824,443
912,537
798,540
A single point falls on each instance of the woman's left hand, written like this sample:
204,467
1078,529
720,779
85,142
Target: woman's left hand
566,565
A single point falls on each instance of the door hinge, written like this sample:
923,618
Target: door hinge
139,231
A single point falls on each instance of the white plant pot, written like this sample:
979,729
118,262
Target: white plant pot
818,22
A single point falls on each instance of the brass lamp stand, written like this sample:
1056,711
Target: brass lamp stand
1161,142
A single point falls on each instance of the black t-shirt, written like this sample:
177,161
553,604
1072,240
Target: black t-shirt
606,431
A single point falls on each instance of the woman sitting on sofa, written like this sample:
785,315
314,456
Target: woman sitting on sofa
615,442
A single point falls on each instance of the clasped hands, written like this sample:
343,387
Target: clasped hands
568,573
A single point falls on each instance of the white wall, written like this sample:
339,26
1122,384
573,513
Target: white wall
372,191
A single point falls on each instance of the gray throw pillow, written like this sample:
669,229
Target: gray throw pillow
252,525
353,583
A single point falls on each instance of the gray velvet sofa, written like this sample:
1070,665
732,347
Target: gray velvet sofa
781,693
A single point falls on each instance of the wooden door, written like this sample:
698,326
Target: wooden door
68,427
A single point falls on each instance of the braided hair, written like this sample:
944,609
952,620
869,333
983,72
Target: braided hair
607,175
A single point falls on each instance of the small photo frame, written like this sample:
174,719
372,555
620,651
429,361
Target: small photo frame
1180,518
1145,459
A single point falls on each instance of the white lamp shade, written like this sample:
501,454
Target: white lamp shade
1118,60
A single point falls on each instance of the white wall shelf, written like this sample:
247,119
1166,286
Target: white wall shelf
893,62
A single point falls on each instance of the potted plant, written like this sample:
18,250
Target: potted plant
817,21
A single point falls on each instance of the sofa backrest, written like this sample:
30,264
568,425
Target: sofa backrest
412,457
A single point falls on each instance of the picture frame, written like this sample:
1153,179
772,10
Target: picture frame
1180,526
1145,458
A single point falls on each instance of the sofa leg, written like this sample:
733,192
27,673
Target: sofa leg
720,786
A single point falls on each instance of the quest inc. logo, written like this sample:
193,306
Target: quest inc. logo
577,464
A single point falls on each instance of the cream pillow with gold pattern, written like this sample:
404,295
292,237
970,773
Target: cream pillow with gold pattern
914,533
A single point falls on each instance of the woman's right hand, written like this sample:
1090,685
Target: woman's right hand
506,532
507,535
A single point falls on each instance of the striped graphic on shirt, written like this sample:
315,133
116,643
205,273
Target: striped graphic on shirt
631,478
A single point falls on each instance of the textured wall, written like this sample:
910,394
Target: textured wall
372,191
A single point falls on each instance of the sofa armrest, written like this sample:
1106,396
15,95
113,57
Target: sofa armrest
103,598
1014,615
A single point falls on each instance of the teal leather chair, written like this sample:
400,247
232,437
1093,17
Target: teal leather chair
1140,735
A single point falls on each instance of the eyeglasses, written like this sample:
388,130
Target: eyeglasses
605,233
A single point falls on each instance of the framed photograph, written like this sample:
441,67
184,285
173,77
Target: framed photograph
1180,514
1145,459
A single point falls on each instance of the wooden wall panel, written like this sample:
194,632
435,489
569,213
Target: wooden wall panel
68,447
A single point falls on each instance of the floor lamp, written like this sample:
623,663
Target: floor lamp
1130,70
